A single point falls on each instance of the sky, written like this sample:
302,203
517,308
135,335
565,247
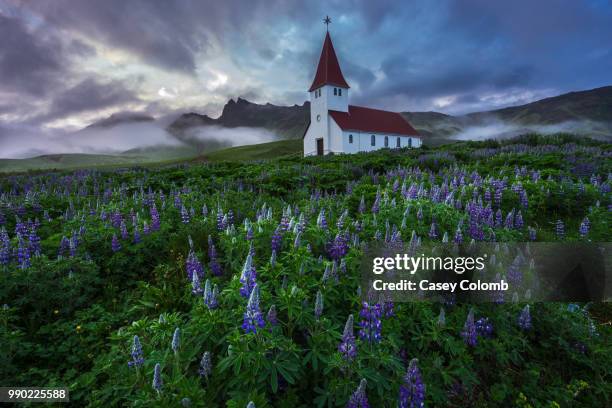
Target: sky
67,63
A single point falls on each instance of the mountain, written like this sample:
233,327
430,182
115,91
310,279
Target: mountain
287,122
121,118
588,112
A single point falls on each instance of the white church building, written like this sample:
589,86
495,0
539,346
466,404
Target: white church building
337,127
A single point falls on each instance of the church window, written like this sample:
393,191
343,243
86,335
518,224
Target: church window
335,91
386,141
350,138
398,142
373,141
409,142
339,91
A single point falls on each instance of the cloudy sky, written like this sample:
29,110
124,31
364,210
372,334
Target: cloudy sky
66,63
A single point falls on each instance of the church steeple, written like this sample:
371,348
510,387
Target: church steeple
328,71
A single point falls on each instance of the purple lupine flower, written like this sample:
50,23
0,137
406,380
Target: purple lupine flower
338,247
215,267
376,205
210,295
276,240
205,365
362,205
348,347
524,200
196,286
359,399
420,214
272,316
484,327
115,245
34,241
176,340
23,253
322,220
518,221
433,232
184,215
5,247
146,229
249,233
509,223
412,391
388,308
136,238
318,309
560,229
584,227
137,356
370,325
123,230
458,236
524,319
253,318
532,233
193,266
155,222
248,277
498,219
158,382
469,330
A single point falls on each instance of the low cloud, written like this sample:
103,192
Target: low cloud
497,129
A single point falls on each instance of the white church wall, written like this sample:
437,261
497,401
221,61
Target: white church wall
362,141
338,102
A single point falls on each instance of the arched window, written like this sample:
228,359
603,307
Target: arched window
373,140
350,138
398,142
409,142
339,91
335,91
386,141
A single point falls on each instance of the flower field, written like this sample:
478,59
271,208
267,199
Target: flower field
237,284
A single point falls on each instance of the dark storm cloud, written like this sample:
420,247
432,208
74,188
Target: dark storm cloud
29,61
90,94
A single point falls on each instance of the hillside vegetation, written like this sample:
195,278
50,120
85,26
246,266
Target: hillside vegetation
214,283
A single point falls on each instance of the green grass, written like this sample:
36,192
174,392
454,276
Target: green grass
261,151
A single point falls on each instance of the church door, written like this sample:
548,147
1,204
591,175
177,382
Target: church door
320,147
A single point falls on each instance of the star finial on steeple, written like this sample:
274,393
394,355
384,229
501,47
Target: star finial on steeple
327,22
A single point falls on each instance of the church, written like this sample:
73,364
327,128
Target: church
337,127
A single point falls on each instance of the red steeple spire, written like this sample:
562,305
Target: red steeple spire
328,71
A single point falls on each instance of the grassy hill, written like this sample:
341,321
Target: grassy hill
260,151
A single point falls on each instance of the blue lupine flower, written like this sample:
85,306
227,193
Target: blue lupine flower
196,287
560,229
412,391
205,365
276,240
137,356
193,266
248,277
584,227
158,382
176,340
5,247
524,319
359,399
318,309
458,236
469,330
251,404
210,295
484,327
347,346
370,325
272,316
115,245
253,319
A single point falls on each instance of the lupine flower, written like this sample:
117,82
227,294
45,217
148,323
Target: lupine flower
433,233
272,316
248,277
34,241
251,404
158,382
205,365
518,221
115,245
318,309
253,319
176,340
442,318
276,240
469,330
347,346
338,247
155,222
215,267
484,327
210,295
137,356
584,227
560,229
136,239
184,215
123,230
524,319
458,236
412,391
196,287
359,399
5,247
362,205
370,325
193,266
532,233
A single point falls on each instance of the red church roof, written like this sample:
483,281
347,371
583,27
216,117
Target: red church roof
372,120
328,71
